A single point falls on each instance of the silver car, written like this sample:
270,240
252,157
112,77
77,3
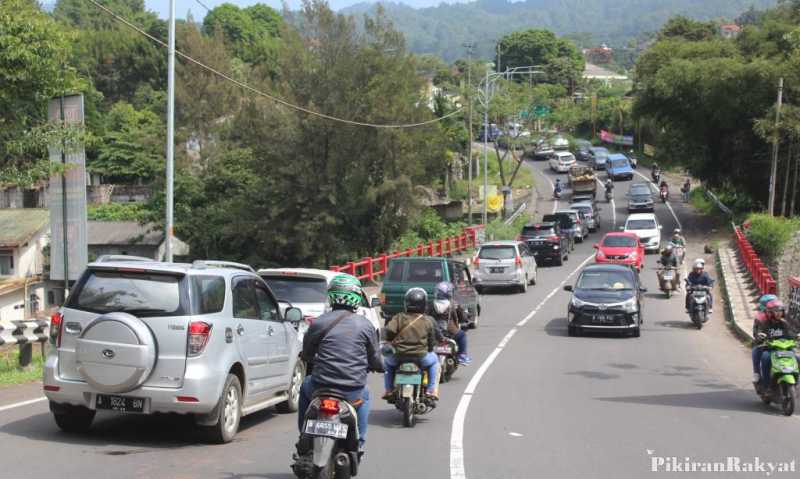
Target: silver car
581,224
590,212
504,263
150,337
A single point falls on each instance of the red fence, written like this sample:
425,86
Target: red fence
794,300
373,266
758,271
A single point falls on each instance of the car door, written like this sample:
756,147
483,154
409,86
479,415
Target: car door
277,338
251,334
528,263
465,294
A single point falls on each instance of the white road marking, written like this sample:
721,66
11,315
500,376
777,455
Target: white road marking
677,221
22,403
457,469
515,434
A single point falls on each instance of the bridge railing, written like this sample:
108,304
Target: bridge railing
373,267
24,334
758,270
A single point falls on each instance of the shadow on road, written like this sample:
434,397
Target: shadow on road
275,475
623,365
677,324
593,374
723,400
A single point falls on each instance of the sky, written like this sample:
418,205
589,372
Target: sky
183,6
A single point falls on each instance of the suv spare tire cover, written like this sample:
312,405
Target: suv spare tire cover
116,353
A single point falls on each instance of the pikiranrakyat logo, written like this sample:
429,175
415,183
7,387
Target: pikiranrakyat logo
729,464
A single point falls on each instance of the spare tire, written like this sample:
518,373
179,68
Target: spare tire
116,353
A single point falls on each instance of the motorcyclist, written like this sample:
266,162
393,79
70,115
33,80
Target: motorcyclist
668,260
769,324
656,173
451,316
609,184
343,347
685,189
677,238
664,187
698,277
411,336
557,187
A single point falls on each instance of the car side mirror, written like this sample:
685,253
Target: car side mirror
568,287
595,246
374,302
293,315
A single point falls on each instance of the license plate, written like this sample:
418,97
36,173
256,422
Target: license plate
119,403
442,350
668,276
412,379
336,430
603,318
496,270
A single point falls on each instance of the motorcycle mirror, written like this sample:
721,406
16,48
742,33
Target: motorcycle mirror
595,246
568,287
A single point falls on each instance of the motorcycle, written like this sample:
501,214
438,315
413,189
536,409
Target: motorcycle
609,194
409,392
330,435
656,175
447,351
666,280
783,375
698,303
679,252
664,192
557,193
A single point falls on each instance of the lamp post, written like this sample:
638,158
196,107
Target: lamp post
170,134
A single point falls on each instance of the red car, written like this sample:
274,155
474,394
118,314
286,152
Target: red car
620,248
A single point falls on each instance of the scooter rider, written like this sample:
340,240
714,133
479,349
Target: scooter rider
769,324
412,336
343,347
668,260
609,184
698,277
677,238
656,173
453,316
557,188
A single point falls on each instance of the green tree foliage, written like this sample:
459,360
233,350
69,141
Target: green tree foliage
132,147
688,29
252,33
559,57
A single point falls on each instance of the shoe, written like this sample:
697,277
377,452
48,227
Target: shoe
433,396
464,360
756,378
387,395
710,310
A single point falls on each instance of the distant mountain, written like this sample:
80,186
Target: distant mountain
442,30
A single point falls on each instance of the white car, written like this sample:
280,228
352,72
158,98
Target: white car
647,228
562,161
307,289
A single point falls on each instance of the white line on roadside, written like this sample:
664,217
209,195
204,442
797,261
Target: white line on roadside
22,403
677,221
457,469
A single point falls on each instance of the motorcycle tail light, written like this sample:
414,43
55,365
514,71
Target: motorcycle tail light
329,406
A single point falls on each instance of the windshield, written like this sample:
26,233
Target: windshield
640,225
498,252
611,280
619,163
566,158
534,231
296,289
640,190
424,272
141,294
619,242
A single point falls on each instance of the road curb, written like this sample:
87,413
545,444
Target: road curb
734,309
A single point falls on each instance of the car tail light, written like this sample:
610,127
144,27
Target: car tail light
309,319
199,332
553,238
476,261
56,321
187,399
54,389
518,261
329,406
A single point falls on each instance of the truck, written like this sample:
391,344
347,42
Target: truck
582,180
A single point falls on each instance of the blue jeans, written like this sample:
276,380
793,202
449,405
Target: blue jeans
757,351
461,340
307,392
430,362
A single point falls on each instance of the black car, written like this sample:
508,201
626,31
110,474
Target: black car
581,150
546,241
606,297
640,198
567,223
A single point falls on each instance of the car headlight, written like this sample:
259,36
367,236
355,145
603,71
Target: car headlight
600,254
630,306
577,303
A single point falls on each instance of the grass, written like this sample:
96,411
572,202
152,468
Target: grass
11,373
524,177
698,199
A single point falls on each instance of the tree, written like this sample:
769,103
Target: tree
688,29
559,57
252,33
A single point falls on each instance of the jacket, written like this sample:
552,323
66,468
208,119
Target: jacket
700,278
668,261
774,329
417,337
346,354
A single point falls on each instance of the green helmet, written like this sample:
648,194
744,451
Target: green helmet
345,290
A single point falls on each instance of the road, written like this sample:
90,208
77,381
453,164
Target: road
534,403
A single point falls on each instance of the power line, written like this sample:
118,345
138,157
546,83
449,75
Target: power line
267,95
203,5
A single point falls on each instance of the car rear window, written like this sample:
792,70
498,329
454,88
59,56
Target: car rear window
619,242
587,210
598,279
424,272
538,231
208,294
640,225
297,289
619,163
640,190
497,252
141,294
395,271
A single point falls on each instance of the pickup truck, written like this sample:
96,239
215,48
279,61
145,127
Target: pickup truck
582,180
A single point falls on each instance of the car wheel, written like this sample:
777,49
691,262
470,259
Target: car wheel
533,281
559,261
523,288
636,332
72,419
292,404
229,413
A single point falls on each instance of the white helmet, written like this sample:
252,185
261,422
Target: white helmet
699,263
677,231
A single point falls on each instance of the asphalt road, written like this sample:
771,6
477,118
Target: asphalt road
534,403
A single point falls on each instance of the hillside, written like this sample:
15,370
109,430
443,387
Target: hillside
442,30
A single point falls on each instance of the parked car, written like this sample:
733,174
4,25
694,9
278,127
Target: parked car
425,272
646,227
567,224
561,161
505,264
606,297
590,212
547,241
581,150
543,151
559,143
640,197
493,130
620,248
153,337
580,224
307,290
597,157
618,167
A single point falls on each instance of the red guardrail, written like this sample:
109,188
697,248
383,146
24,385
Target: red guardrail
758,271
374,266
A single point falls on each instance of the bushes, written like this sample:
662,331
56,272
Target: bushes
496,230
428,227
769,235
117,212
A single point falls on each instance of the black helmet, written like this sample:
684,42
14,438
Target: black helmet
416,301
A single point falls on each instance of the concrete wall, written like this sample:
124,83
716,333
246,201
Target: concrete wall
788,265
16,306
28,258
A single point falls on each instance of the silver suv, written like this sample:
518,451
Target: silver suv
205,339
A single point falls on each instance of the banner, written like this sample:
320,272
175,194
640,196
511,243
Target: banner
649,150
608,137
495,203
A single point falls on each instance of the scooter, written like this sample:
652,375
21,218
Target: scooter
666,280
783,374
664,192
330,437
447,351
656,175
609,195
679,252
557,193
698,303
409,392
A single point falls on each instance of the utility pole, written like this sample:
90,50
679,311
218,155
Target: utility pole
469,47
774,170
787,174
169,230
486,148
64,235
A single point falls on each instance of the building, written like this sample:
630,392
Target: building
594,72
601,55
730,30
23,286
130,238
